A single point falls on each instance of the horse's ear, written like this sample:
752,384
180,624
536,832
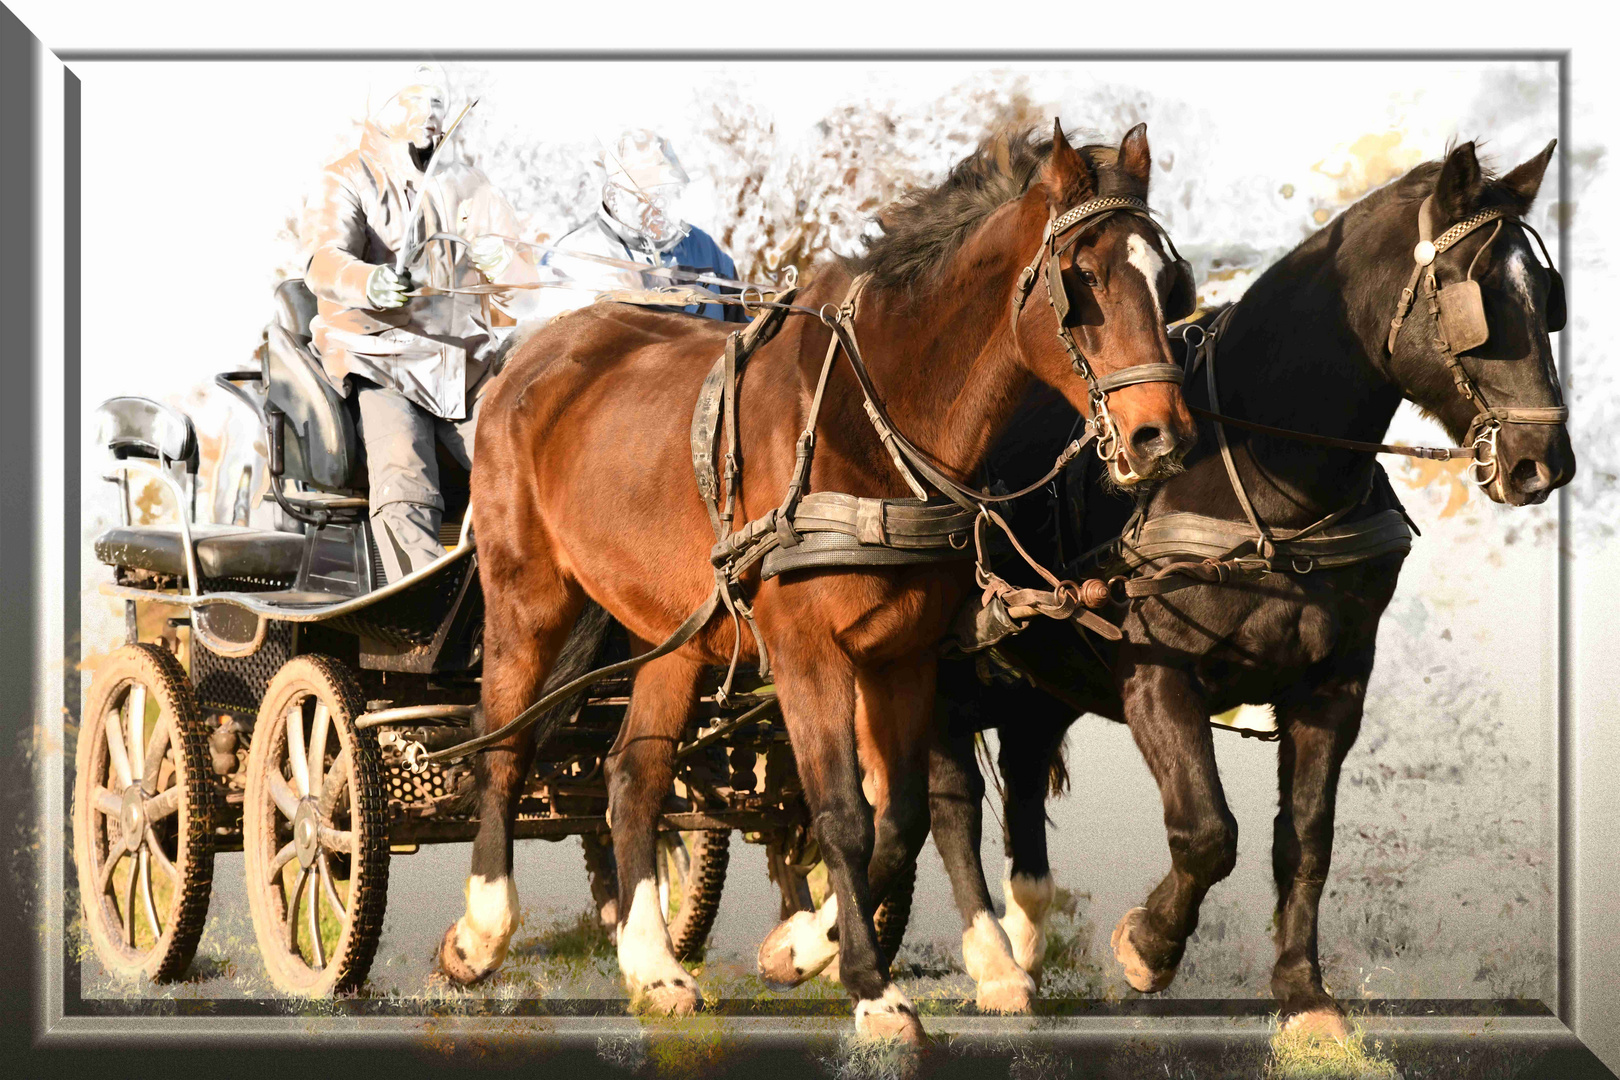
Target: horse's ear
1461,183
1524,181
1134,156
1067,177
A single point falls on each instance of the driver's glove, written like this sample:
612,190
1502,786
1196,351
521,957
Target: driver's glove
385,289
490,256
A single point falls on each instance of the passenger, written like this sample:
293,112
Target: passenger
639,220
416,364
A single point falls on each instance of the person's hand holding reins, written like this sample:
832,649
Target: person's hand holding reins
385,288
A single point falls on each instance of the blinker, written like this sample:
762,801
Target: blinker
1462,316
1557,308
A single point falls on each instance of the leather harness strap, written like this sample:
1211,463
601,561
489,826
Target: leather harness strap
904,526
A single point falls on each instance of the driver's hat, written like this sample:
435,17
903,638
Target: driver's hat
640,159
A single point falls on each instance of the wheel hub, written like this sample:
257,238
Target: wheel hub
307,833
132,816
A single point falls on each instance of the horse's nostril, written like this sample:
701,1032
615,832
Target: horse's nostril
1530,476
1150,441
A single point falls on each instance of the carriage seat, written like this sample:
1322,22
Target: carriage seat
320,444
223,551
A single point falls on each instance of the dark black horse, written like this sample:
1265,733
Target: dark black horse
1307,349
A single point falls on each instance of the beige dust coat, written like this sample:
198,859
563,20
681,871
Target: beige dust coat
434,348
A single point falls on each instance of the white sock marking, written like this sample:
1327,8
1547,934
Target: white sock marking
1028,900
484,932
646,954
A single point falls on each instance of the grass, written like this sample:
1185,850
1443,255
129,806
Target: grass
1297,1056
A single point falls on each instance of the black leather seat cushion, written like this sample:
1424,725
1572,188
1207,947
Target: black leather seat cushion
222,550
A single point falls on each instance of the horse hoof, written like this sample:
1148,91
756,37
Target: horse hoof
453,963
1008,995
1138,972
1327,1022
667,998
891,1016
786,958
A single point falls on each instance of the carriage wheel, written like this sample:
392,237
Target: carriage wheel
315,831
691,877
143,814
804,890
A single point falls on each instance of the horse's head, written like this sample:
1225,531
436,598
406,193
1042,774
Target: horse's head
1095,299
1474,349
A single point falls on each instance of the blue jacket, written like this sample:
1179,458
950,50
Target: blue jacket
698,251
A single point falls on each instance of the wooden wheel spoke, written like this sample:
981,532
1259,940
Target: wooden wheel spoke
296,754
289,929
155,750
338,840
129,909
330,888
159,857
281,793
146,893
336,778
312,908
136,729
317,745
104,884
117,753
106,802
282,858
161,806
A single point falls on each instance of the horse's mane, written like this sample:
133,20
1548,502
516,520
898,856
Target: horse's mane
923,229
1416,185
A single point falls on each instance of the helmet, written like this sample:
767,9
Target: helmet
642,188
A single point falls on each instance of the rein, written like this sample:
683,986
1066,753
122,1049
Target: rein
1459,326
735,552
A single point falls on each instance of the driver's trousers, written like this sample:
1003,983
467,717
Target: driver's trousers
402,467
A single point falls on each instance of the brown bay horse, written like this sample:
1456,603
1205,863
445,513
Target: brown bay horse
1299,637
583,489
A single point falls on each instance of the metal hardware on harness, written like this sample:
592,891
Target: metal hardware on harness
736,551
1090,213
1459,320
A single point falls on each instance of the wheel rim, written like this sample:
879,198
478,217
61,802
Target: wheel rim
308,853
134,800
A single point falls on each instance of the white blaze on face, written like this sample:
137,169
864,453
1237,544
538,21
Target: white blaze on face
492,909
1150,264
1519,273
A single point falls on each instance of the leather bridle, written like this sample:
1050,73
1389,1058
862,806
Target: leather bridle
1076,222
1460,301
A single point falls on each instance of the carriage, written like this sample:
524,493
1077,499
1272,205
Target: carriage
277,695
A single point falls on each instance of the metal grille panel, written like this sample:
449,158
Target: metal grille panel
236,685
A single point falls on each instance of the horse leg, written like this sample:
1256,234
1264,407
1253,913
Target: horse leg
955,798
818,705
1170,723
1028,752
640,770
525,628
893,730
1316,736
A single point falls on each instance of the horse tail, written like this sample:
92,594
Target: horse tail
1057,779
580,652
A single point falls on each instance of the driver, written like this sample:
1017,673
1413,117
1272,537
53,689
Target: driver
639,220
416,364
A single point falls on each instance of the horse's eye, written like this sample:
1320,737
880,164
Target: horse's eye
1089,278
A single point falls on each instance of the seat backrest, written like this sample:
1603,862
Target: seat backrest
295,307
320,445
140,427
